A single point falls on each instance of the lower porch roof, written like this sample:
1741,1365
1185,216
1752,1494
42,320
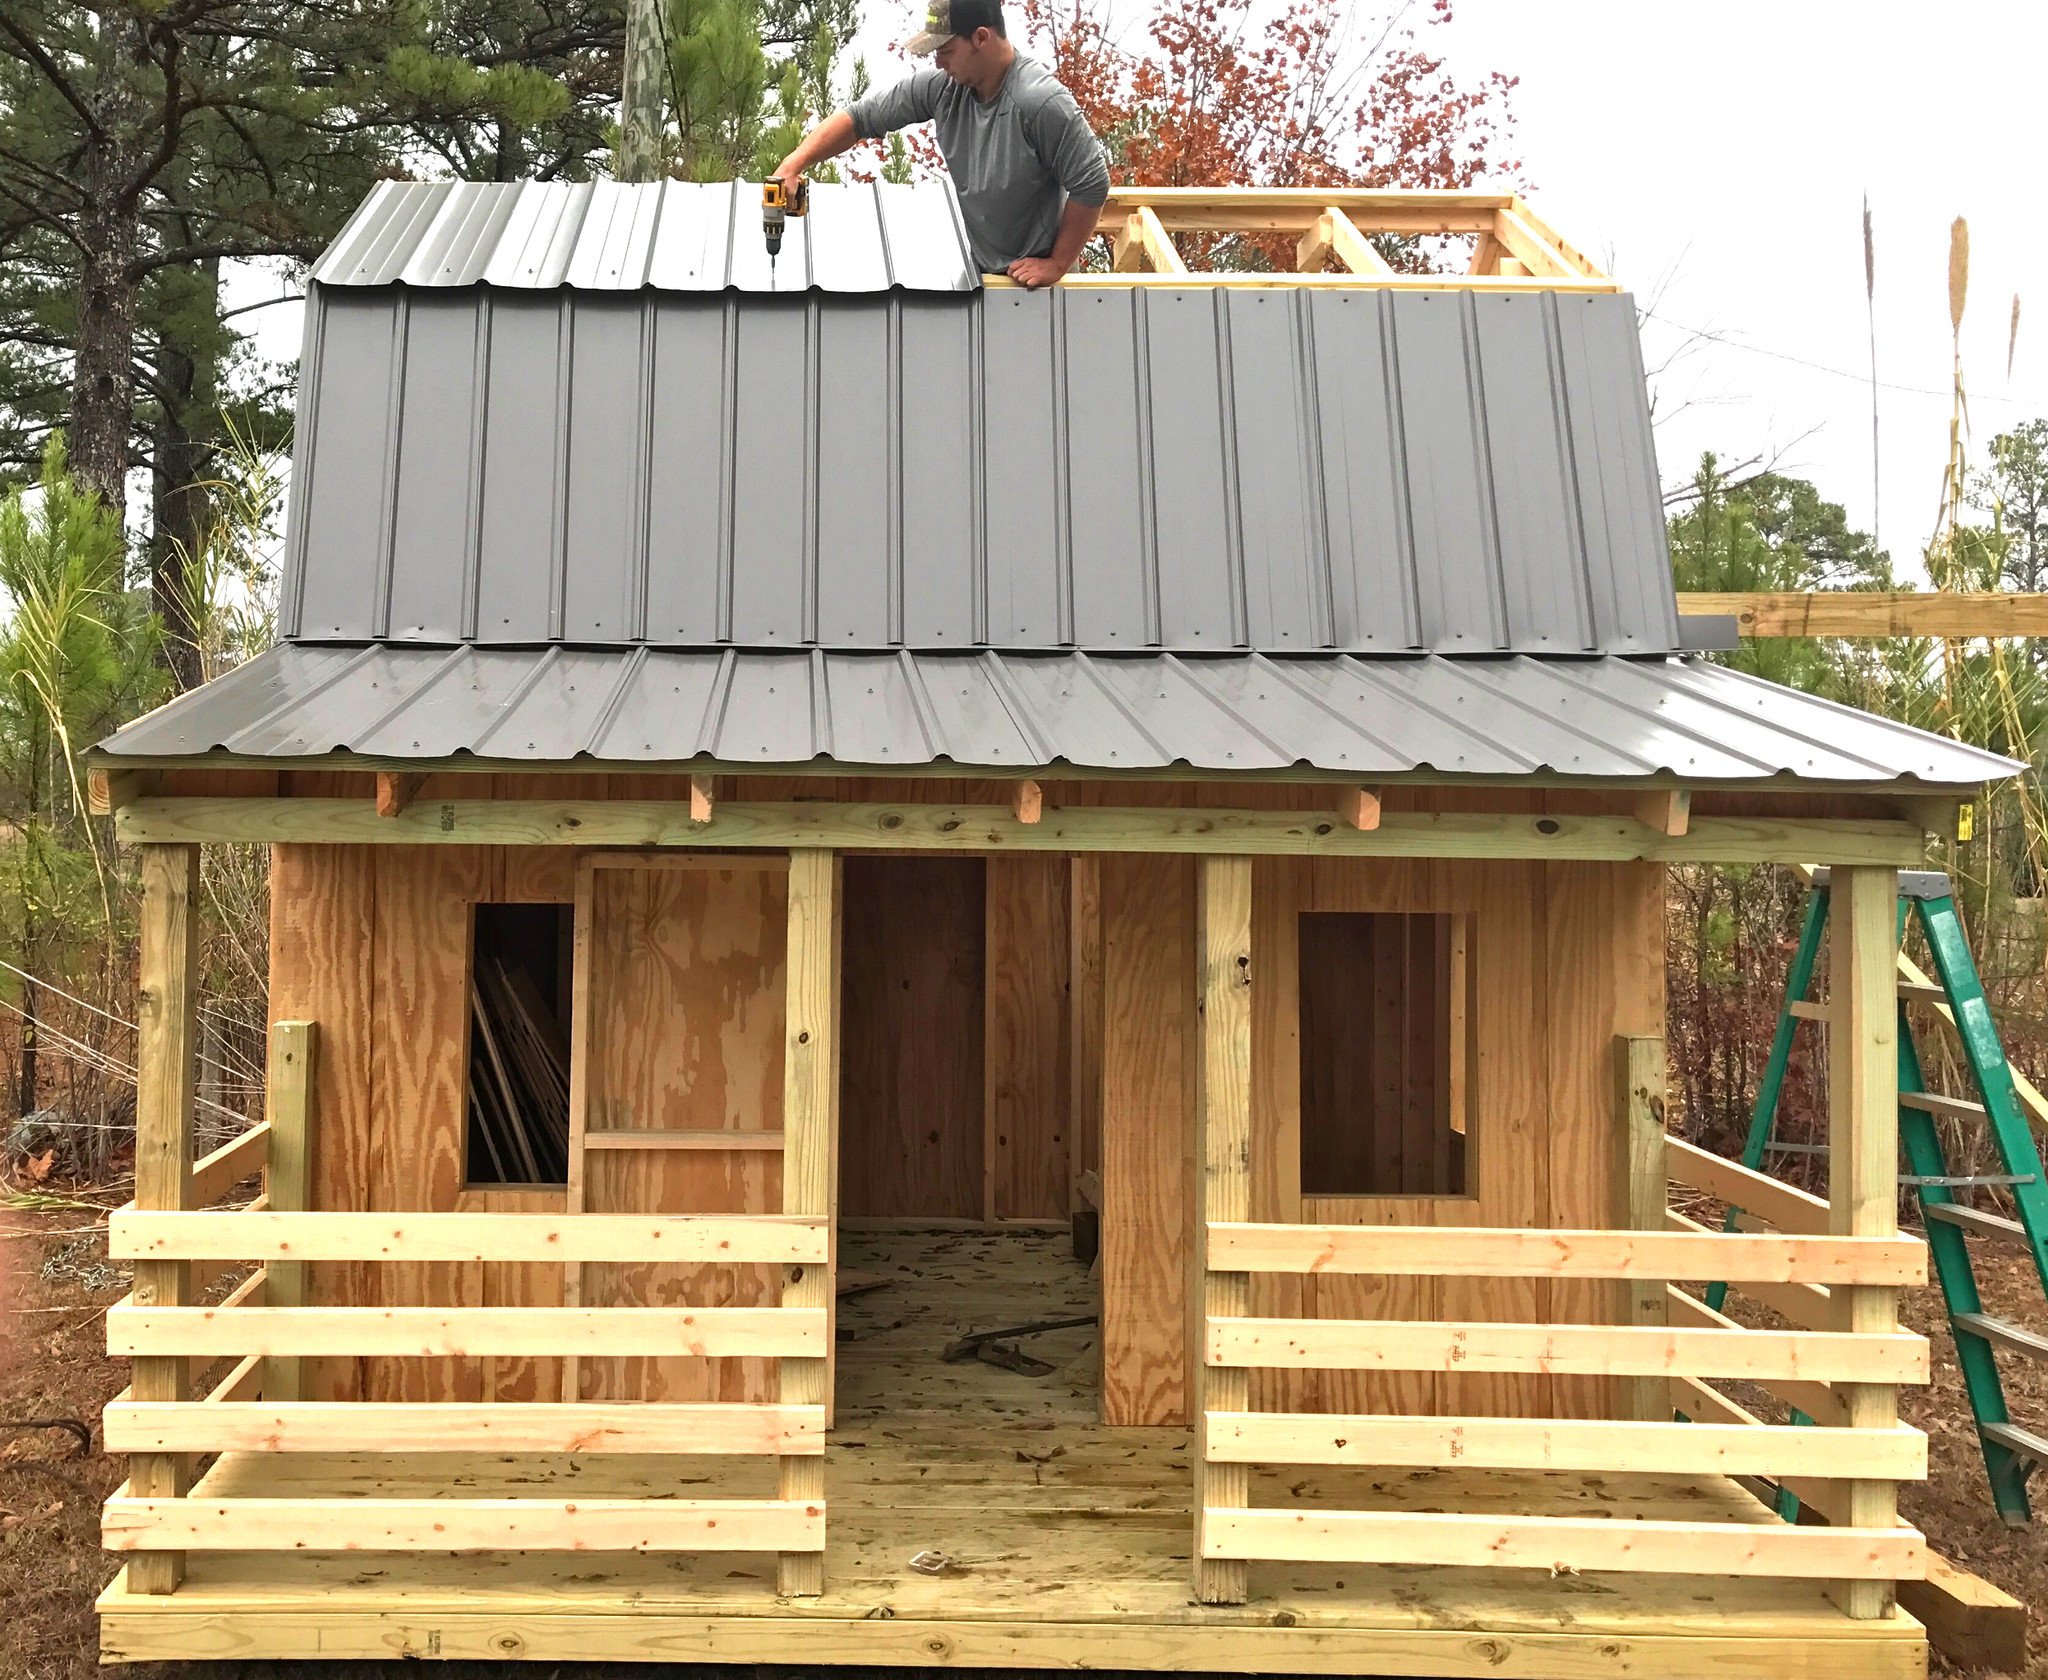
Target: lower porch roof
1603,717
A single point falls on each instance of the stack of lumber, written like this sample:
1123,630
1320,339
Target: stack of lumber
518,1079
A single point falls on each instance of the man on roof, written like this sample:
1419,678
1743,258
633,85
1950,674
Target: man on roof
1028,170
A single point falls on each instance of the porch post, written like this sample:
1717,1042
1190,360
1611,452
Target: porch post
810,1161
1863,1160
1224,1118
1640,1079
288,1180
165,1070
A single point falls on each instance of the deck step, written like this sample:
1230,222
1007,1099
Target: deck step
2007,1335
1977,1224
1956,1108
2023,1443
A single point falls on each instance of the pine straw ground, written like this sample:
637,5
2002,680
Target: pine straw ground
56,1282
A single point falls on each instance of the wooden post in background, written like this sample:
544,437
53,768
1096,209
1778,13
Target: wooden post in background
1863,1160
1639,1095
288,1178
810,1123
1224,1116
166,1066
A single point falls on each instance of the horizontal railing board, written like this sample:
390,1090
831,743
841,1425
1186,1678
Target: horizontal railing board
437,1332
1895,1454
242,1156
1423,1251
754,1239
1575,1350
1805,1304
684,1428
462,1525
1458,1539
1784,1206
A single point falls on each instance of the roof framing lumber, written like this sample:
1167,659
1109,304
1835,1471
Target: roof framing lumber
779,827
1852,613
1143,242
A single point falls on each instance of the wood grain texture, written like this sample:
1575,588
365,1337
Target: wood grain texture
1863,1155
1148,1045
1599,922
322,937
1381,890
1223,1111
686,1010
419,1067
166,1040
912,1113
1026,1087
1084,1023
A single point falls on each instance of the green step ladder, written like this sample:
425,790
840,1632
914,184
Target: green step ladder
2011,1453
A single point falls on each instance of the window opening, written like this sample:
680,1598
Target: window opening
519,995
1384,1017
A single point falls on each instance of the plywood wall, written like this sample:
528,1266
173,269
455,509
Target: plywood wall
911,1110
1561,959
685,994
1085,1022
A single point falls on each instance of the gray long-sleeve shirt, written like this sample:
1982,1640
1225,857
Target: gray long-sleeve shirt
1015,161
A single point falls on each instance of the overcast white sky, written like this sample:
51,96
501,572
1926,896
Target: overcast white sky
1715,158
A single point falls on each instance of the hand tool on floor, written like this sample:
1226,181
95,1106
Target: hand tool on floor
779,202
999,1347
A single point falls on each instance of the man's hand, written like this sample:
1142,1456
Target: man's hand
1037,272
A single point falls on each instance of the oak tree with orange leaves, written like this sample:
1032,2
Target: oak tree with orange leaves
1279,93
1232,93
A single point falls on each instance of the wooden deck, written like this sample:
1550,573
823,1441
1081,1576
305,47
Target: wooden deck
1067,1542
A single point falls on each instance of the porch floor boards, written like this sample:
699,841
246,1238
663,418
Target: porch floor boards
1068,1542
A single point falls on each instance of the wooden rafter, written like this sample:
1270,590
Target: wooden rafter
1518,251
1144,243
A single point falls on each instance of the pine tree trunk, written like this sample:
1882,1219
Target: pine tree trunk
640,103
183,469
103,370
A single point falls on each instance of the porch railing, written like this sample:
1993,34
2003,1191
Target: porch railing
264,1330
1801,1365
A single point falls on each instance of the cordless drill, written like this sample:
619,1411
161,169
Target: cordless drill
780,201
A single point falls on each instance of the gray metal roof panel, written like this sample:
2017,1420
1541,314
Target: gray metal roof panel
1604,717
1198,469
668,236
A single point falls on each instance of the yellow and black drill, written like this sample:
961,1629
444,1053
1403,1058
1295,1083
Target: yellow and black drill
780,201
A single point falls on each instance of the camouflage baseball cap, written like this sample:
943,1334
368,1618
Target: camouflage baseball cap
946,18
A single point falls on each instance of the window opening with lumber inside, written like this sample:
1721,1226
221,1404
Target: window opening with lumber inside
1384,1080
519,996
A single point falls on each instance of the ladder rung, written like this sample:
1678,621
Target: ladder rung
1967,1181
1809,1011
1956,1108
1798,1148
2017,1337
2014,1439
1913,992
1977,1224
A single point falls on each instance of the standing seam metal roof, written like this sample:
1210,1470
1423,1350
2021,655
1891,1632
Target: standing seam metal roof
671,236
1197,469
570,488
1500,716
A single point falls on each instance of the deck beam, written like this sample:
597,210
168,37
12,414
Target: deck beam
1068,829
